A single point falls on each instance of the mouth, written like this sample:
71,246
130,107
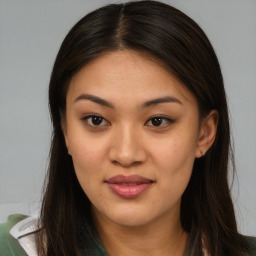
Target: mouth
128,186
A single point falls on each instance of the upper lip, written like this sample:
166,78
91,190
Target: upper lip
119,179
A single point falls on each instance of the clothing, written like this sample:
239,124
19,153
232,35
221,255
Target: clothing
17,238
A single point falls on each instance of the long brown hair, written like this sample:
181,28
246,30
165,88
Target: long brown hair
177,41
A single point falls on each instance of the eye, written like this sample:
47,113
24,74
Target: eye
95,120
159,121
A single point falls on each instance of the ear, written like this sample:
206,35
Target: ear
64,130
207,133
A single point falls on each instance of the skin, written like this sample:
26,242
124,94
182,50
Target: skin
128,142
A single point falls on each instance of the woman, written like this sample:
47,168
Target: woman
141,142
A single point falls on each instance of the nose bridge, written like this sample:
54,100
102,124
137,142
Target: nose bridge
127,147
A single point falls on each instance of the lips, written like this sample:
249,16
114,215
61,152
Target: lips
128,186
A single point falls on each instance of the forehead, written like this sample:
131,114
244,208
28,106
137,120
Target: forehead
127,74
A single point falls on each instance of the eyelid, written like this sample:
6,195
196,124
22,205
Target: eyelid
86,117
168,119
163,117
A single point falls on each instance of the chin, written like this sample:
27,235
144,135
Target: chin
129,217
130,221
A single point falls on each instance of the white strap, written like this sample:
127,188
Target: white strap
28,244
24,227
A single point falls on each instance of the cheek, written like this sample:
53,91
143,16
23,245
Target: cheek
86,161
89,161
175,151
174,158
87,157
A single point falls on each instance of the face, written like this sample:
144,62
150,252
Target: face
133,132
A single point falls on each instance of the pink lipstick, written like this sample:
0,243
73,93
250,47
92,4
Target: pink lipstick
128,186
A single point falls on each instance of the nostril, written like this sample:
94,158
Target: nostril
126,164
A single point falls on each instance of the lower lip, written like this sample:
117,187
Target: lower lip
126,191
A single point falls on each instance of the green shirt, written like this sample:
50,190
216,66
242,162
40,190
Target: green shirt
9,246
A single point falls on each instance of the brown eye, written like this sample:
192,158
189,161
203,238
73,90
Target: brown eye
159,121
156,121
95,120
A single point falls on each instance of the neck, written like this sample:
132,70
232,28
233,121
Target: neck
156,238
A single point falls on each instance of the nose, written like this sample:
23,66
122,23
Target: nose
127,147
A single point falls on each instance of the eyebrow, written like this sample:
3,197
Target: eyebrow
167,99
94,99
98,100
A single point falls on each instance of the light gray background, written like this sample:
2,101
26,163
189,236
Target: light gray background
30,35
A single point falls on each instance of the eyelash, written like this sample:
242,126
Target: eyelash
102,119
87,118
167,121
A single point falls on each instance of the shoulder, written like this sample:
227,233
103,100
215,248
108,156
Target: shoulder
17,236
